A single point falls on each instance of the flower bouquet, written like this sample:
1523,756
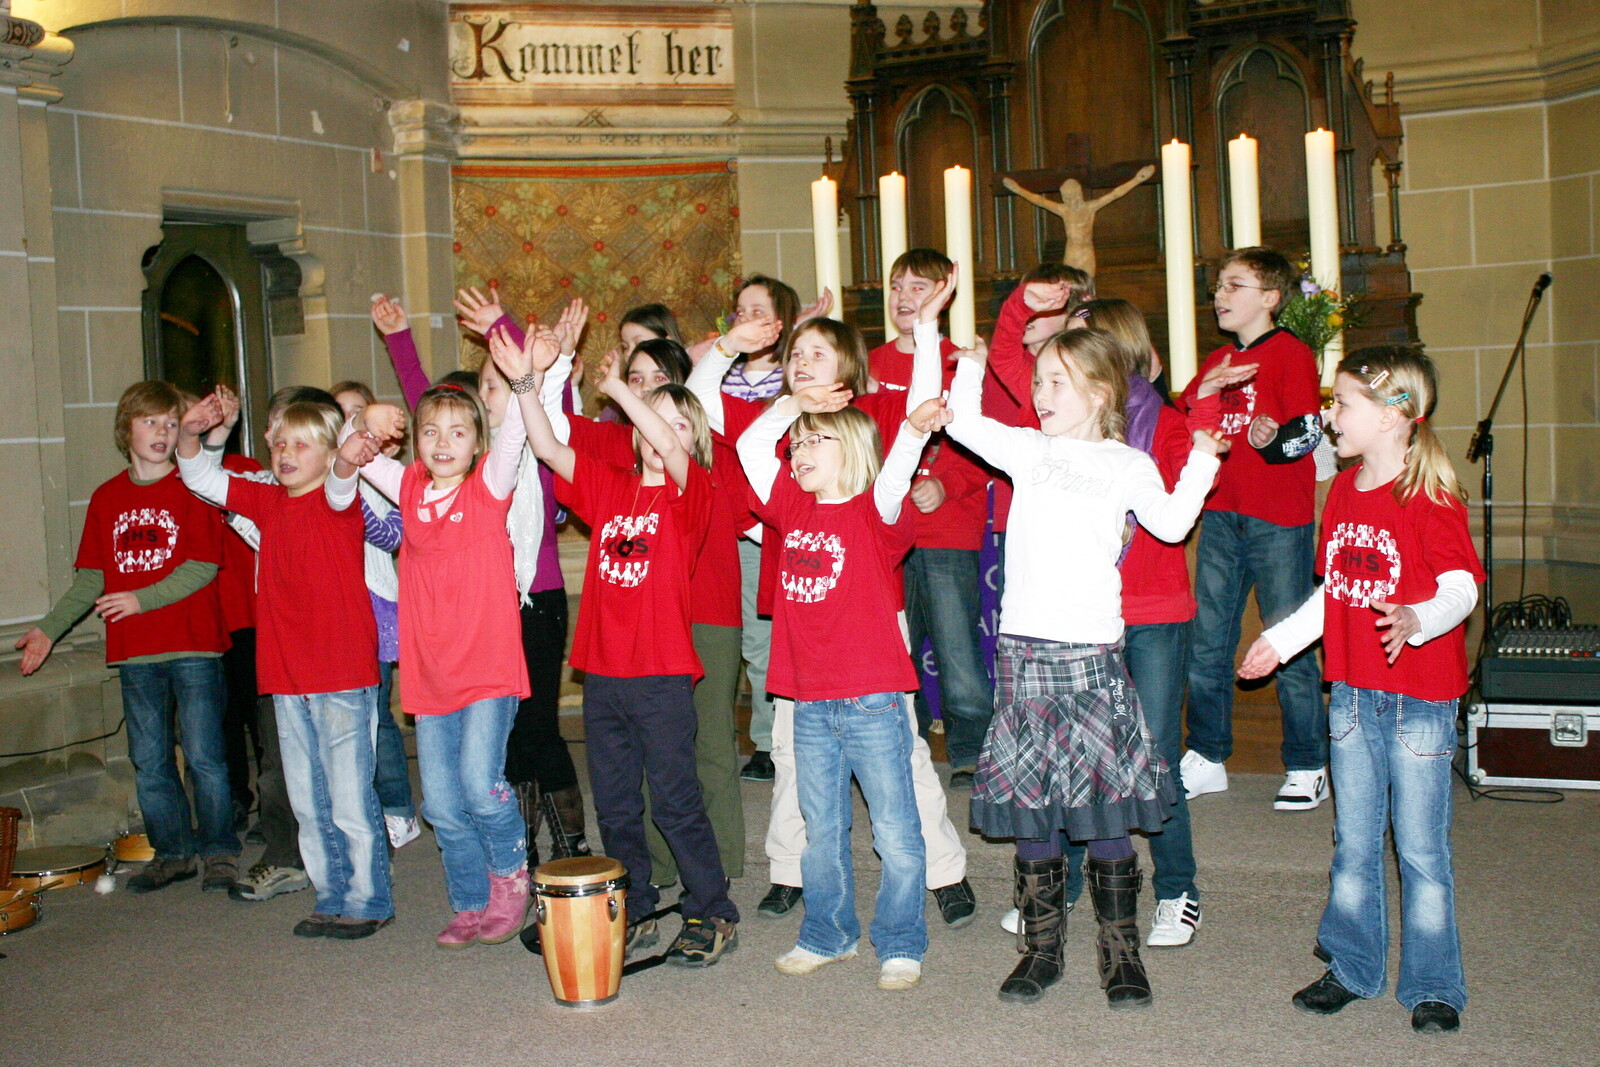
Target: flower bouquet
1317,315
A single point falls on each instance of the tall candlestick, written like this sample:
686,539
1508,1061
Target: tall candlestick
1244,192
958,246
825,235
1323,204
1178,229
892,238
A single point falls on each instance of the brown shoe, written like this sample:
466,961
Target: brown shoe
162,872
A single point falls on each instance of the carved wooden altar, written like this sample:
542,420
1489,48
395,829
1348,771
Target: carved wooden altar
1044,90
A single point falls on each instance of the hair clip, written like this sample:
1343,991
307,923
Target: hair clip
450,385
1420,418
1377,379
1398,398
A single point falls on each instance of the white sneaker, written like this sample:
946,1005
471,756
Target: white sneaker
803,961
402,829
899,974
1201,776
1302,790
1176,921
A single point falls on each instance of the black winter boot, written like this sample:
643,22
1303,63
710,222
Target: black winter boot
532,816
1041,884
1114,887
567,821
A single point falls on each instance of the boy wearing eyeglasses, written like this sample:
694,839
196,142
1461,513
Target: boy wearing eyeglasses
1258,529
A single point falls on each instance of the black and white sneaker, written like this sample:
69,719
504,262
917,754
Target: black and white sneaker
1176,921
1302,790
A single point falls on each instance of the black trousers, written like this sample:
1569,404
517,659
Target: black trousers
536,751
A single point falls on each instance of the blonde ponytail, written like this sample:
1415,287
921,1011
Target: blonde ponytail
1406,380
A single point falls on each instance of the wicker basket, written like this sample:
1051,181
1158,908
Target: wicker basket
9,818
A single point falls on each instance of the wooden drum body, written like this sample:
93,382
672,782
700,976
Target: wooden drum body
19,909
39,869
581,908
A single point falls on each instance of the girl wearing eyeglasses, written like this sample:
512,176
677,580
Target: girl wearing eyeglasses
839,519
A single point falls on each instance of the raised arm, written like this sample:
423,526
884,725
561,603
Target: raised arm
889,489
651,427
927,372
500,466
758,446
998,444
202,477
516,362
395,325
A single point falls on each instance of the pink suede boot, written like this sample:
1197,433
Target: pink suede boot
462,931
508,907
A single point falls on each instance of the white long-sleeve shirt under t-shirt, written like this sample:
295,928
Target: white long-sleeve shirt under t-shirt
1070,503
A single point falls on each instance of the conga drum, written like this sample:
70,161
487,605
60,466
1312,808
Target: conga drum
133,848
580,905
57,867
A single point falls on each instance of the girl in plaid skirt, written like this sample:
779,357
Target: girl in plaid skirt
1068,749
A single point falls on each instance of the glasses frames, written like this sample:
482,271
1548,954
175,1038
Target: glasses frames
806,443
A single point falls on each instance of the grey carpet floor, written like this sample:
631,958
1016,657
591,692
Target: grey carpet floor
185,977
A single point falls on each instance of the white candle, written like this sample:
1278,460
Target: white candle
1244,192
958,246
1323,204
1179,233
825,235
891,238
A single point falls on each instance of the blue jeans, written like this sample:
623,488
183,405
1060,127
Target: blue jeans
865,736
149,692
942,606
1391,768
1235,552
466,797
393,778
326,740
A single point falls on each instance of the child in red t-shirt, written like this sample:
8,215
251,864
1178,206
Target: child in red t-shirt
1259,529
460,641
1400,577
839,652
633,641
146,564
311,597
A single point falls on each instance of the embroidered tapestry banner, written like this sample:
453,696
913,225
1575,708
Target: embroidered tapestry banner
619,234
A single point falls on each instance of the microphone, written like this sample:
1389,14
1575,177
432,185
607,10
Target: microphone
1542,284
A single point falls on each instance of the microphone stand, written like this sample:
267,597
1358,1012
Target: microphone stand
1482,447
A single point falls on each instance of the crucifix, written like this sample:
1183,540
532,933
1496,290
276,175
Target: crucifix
1076,213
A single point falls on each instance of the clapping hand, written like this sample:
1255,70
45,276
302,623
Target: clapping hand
569,328
1047,298
1224,375
752,335
201,417
818,310
814,399
939,296
384,422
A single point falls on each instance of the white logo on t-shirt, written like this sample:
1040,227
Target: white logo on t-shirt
1361,563
625,543
142,539
811,565
1238,408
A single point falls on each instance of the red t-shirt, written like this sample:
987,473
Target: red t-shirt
460,631
835,630
136,535
959,521
236,583
888,410
714,584
1375,548
634,619
1285,388
314,627
1155,574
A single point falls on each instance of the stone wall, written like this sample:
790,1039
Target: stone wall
328,129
